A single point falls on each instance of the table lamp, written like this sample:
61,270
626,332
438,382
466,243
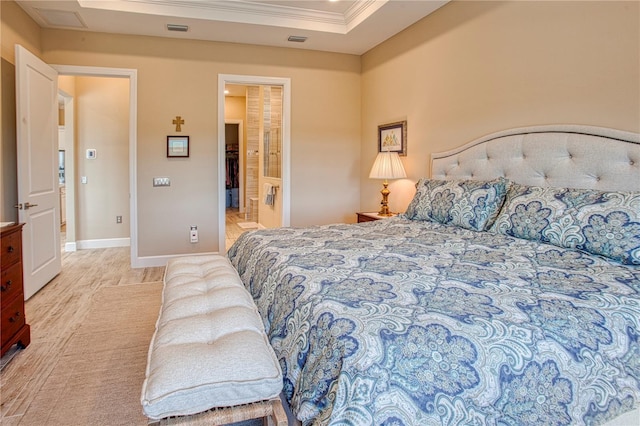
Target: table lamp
386,166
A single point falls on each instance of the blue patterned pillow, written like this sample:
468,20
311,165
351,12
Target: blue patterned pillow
470,204
603,223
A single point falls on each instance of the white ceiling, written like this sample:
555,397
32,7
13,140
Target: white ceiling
345,26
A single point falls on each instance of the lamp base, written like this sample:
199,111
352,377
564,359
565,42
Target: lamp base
384,209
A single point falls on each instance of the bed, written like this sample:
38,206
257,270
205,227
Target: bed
508,293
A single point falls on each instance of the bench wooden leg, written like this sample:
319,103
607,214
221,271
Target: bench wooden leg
278,414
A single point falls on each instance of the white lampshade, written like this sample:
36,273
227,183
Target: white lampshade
387,166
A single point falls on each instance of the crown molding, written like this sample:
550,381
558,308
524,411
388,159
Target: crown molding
247,12
361,11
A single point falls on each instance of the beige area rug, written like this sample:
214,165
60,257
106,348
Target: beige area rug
99,378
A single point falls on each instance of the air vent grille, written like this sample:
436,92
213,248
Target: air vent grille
178,27
297,39
61,18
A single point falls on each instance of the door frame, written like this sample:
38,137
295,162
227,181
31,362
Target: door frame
132,75
285,190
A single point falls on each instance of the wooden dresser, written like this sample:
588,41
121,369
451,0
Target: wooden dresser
14,326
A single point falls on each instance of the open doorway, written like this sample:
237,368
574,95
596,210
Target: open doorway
93,140
235,211
66,169
253,151
263,105
127,167
41,89
233,133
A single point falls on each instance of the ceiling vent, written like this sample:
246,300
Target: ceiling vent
177,27
297,39
61,18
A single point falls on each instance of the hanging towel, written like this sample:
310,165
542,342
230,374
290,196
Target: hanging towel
269,194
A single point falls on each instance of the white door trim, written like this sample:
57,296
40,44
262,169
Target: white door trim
132,75
247,80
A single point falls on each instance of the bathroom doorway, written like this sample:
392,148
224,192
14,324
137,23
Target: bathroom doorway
258,108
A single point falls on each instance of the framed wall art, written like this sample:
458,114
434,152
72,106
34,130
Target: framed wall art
177,146
392,137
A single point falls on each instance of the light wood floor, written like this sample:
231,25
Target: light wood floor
56,312
233,231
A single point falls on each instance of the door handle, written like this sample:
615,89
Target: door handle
26,206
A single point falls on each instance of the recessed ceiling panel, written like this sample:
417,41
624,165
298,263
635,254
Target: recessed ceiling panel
61,18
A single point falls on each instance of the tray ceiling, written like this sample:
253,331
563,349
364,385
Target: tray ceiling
345,26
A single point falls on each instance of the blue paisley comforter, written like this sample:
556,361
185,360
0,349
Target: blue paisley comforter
409,322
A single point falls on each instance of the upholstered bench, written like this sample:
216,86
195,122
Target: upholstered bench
209,353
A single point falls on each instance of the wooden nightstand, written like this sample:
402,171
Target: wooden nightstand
371,216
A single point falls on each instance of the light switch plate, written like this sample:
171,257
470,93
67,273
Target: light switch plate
161,181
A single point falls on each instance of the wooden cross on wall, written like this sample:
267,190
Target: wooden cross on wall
178,122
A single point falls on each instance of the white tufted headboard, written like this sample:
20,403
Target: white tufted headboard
567,156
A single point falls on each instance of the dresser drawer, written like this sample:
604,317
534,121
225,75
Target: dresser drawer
11,248
11,283
12,318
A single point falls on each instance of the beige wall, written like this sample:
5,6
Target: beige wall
15,27
102,123
67,83
8,153
469,69
18,28
473,68
179,77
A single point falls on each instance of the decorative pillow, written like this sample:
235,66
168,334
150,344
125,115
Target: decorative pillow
470,204
603,223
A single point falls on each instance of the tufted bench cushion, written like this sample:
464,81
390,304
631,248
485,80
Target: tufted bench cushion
209,349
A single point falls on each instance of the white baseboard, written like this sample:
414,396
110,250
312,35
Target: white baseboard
153,261
68,247
105,243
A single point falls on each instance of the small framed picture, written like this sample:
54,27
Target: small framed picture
177,146
392,137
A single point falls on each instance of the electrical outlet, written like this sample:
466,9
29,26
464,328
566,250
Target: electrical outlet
193,234
118,219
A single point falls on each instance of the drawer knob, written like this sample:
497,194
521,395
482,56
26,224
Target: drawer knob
6,286
15,317
10,249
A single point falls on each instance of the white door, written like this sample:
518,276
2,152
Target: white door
38,192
